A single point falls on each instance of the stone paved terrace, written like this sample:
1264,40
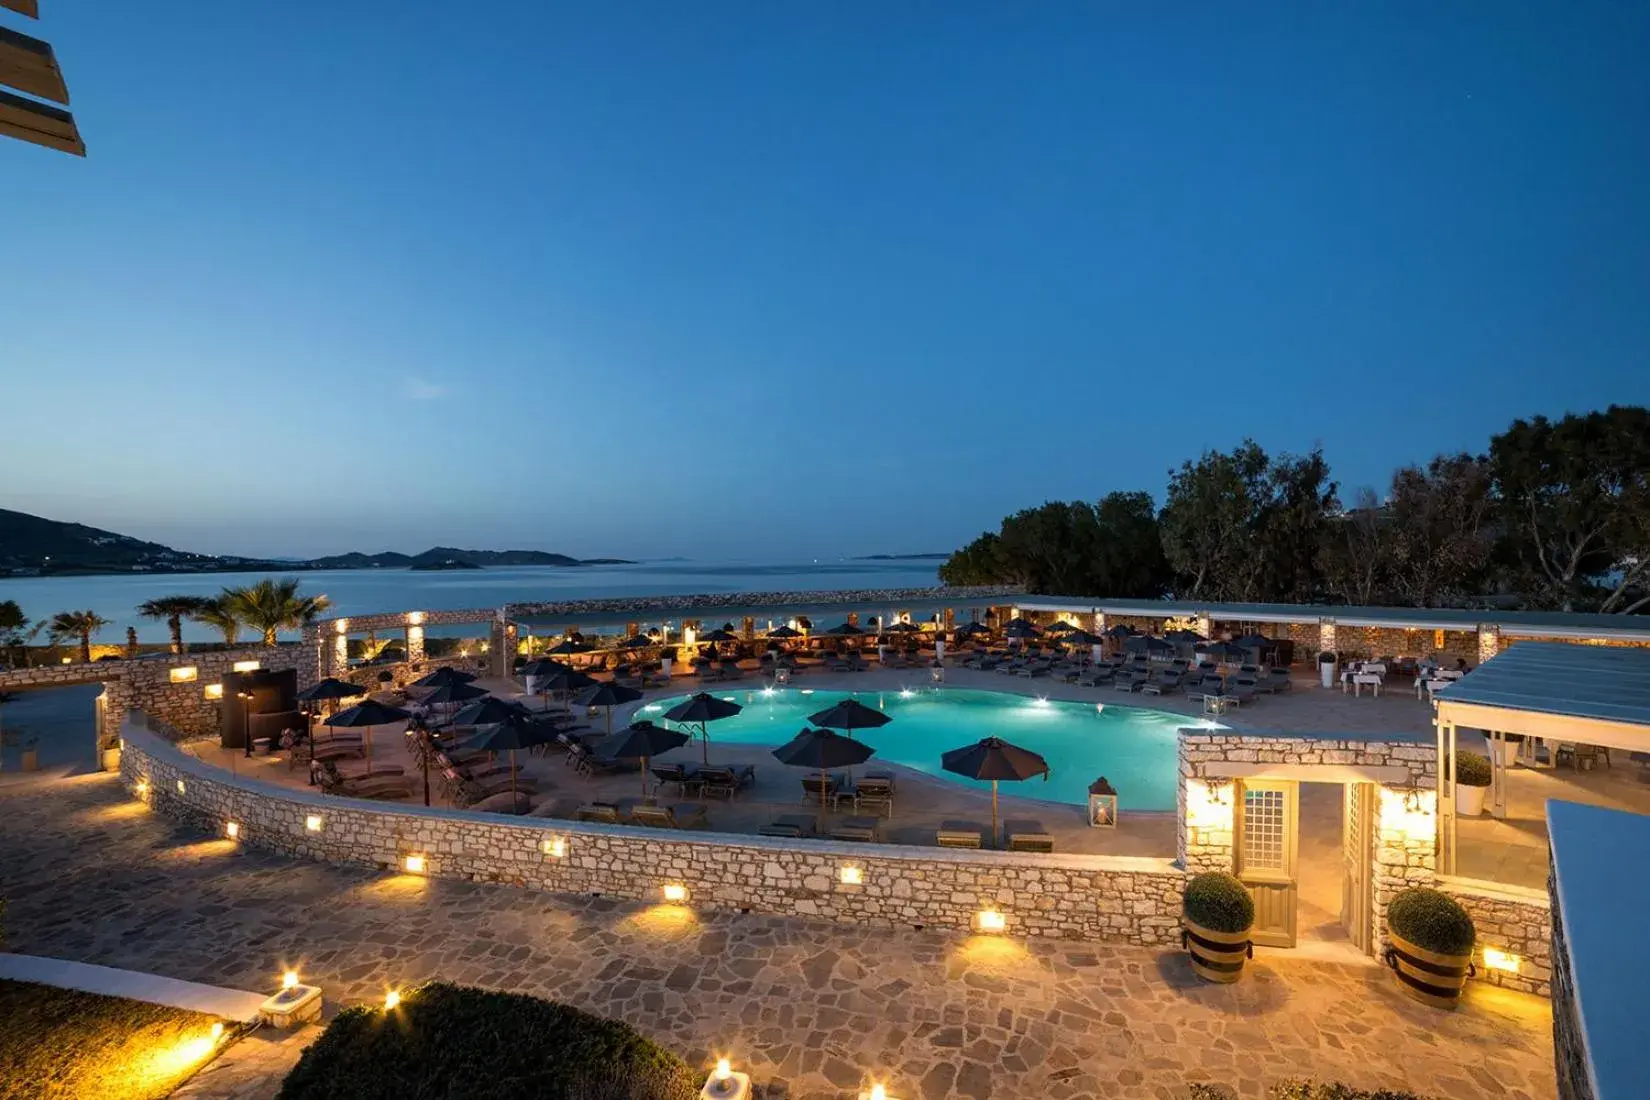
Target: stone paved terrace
809,1008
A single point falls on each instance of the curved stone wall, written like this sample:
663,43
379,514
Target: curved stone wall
1132,900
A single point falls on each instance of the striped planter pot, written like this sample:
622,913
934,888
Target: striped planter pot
1216,956
1427,976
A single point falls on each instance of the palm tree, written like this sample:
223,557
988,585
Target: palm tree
218,615
174,609
273,605
76,624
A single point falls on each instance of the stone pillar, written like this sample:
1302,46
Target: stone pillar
415,637
1204,835
1489,642
1205,625
339,647
950,620
749,629
1326,637
1406,836
853,618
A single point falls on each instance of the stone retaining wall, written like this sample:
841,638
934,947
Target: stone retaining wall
1513,920
1130,900
1417,757
1570,1057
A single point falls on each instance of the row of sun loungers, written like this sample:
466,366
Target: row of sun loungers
1018,836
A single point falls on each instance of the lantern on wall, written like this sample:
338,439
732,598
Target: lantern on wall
1102,804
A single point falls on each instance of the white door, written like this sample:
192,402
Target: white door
1267,856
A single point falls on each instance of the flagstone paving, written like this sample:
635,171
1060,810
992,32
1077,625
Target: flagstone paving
812,1010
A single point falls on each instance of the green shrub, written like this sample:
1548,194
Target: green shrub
1219,902
447,1041
1326,658
1433,920
1472,770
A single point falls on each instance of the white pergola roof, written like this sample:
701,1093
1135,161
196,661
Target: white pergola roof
1596,695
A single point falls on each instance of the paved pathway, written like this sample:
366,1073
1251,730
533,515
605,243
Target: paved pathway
811,1008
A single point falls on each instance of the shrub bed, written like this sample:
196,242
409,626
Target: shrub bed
1432,920
60,1043
448,1041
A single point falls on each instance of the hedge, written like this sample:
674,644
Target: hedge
1305,1090
453,1041
61,1043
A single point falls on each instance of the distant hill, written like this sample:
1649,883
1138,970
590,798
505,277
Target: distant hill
36,545
33,542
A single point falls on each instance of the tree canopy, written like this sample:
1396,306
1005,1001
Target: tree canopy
1556,515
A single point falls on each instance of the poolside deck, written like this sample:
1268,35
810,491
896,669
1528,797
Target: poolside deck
1513,851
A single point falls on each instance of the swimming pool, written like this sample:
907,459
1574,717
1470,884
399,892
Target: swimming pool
1132,747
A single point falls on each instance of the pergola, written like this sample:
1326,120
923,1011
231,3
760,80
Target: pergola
29,65
1553,691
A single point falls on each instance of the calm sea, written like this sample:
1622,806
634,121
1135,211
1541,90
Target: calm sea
363,591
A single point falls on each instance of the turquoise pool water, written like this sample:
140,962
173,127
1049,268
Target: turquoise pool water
1132,747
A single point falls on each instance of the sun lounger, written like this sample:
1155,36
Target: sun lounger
875,794
817,787
376,787
683,775
1027,836
863,829
725,782
682,815
959,834
606,813
791,825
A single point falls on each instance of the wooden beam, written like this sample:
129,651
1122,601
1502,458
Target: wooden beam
29,65
34,122
29,8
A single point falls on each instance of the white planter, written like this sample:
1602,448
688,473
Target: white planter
1469,801
1327,673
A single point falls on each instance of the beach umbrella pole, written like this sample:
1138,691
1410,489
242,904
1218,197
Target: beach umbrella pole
994,843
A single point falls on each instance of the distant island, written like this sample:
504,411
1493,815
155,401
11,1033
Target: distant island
33,546
901,557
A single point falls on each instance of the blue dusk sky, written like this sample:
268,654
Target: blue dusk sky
780,281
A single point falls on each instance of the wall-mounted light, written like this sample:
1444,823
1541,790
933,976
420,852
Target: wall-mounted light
414,865
183,675
232,830
990,920
214,691
313,823
341,626
391,999
1497,959
245,666
141,788
851,876
555,847
289,979
415,618
180,786
675,892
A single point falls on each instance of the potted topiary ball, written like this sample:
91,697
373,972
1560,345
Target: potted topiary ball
1472,779
1431,939
1326,668
1217,917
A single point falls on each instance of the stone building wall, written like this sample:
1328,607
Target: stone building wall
1570,1058
1131,900
147,684
1199,747
1513,920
